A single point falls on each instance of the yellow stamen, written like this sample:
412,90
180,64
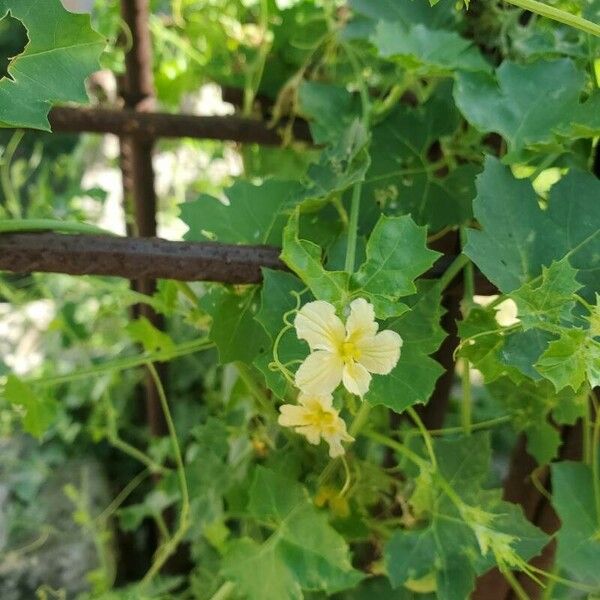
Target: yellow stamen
349,352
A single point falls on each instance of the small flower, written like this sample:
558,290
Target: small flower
315,418
343,353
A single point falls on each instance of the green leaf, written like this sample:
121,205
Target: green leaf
526,104
305,259
151,338
529,405
413,379
518,237
330,109
448,543
40,411
401,179
62,51
260,572
234,331
549,300
397,254
570,360
436,50
522,349
483,342
256,214
304,551
444,16
579,535
340,166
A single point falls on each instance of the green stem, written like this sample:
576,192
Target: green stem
224,591
166,550
123,495
452,271
126,448
474,427
588,425
520,593
255,73
397,446
247,376
353,228
360,418
557,14
22,225
10,195
122,364
467,303
424,434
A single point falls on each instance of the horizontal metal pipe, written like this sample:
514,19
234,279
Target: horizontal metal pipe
153,258
151,125
134,258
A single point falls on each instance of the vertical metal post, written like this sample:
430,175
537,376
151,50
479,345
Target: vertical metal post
137,90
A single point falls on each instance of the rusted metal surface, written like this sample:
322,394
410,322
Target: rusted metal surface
133,258
152,258
136,88
152,125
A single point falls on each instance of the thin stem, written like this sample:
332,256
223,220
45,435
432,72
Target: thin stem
224,591
452,271
123,495
22,225
515,585
10,195
588,426
166,550
122,364
424,434
360,418
347,479
136,454
559,15
126,448
357,189
474,427
397,446
353,228
247,376
466,407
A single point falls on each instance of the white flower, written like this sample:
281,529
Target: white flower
315,418
343,353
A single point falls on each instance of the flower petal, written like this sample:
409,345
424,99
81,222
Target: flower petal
320,373
356,378
379,354
335,446
311,432
293,416
335,439
317,323
316,401
361,322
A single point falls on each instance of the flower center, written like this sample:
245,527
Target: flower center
349,352
322,418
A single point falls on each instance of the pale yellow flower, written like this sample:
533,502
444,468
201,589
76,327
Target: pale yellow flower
343,353
315,418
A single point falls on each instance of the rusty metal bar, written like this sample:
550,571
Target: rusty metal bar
136,87
134,257
153,258
152,125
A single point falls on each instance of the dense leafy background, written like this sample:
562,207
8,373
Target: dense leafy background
471,130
